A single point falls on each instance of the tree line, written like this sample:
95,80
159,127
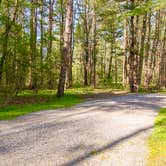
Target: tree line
58,44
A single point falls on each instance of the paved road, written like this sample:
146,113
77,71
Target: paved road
102,132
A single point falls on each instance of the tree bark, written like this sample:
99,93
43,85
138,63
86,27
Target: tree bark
66,48
142,48
132,56
33,35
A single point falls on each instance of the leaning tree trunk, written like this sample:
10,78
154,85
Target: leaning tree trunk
66,48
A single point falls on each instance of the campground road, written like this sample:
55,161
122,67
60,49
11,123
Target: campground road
111,131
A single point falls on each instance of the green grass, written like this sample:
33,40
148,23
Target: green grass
29,101
157,142
152,90
12,111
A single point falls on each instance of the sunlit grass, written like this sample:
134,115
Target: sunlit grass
29,101
157,142
10,112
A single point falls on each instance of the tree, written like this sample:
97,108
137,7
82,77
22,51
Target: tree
115,43
66,48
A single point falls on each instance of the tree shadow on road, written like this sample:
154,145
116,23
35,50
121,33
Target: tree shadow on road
106,147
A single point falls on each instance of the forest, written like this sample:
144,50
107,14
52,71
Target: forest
58,44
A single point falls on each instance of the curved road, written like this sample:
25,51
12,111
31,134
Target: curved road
102,132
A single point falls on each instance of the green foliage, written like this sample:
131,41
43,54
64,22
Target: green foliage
20,69
137,9
158,4
151,89
157,142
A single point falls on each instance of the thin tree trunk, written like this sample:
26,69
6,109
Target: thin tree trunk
49,52
41,42
141,53
153,52
125,54
147,52
33,35
70,72
162,67
116,68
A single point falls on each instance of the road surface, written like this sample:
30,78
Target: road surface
100,132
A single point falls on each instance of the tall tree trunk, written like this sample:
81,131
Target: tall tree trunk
152,63
109,67
147,52
61,25
5,36
94,48
41,42
132,57
49,52
86,44
162,67
4,54
33,31
116,68
142,48
70,72
66,48
125,58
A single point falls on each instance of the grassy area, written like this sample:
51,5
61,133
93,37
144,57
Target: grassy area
157,142
152,90
28,101
10,112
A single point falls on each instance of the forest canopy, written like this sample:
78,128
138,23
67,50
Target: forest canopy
58,44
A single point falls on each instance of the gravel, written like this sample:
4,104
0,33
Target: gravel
100,132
